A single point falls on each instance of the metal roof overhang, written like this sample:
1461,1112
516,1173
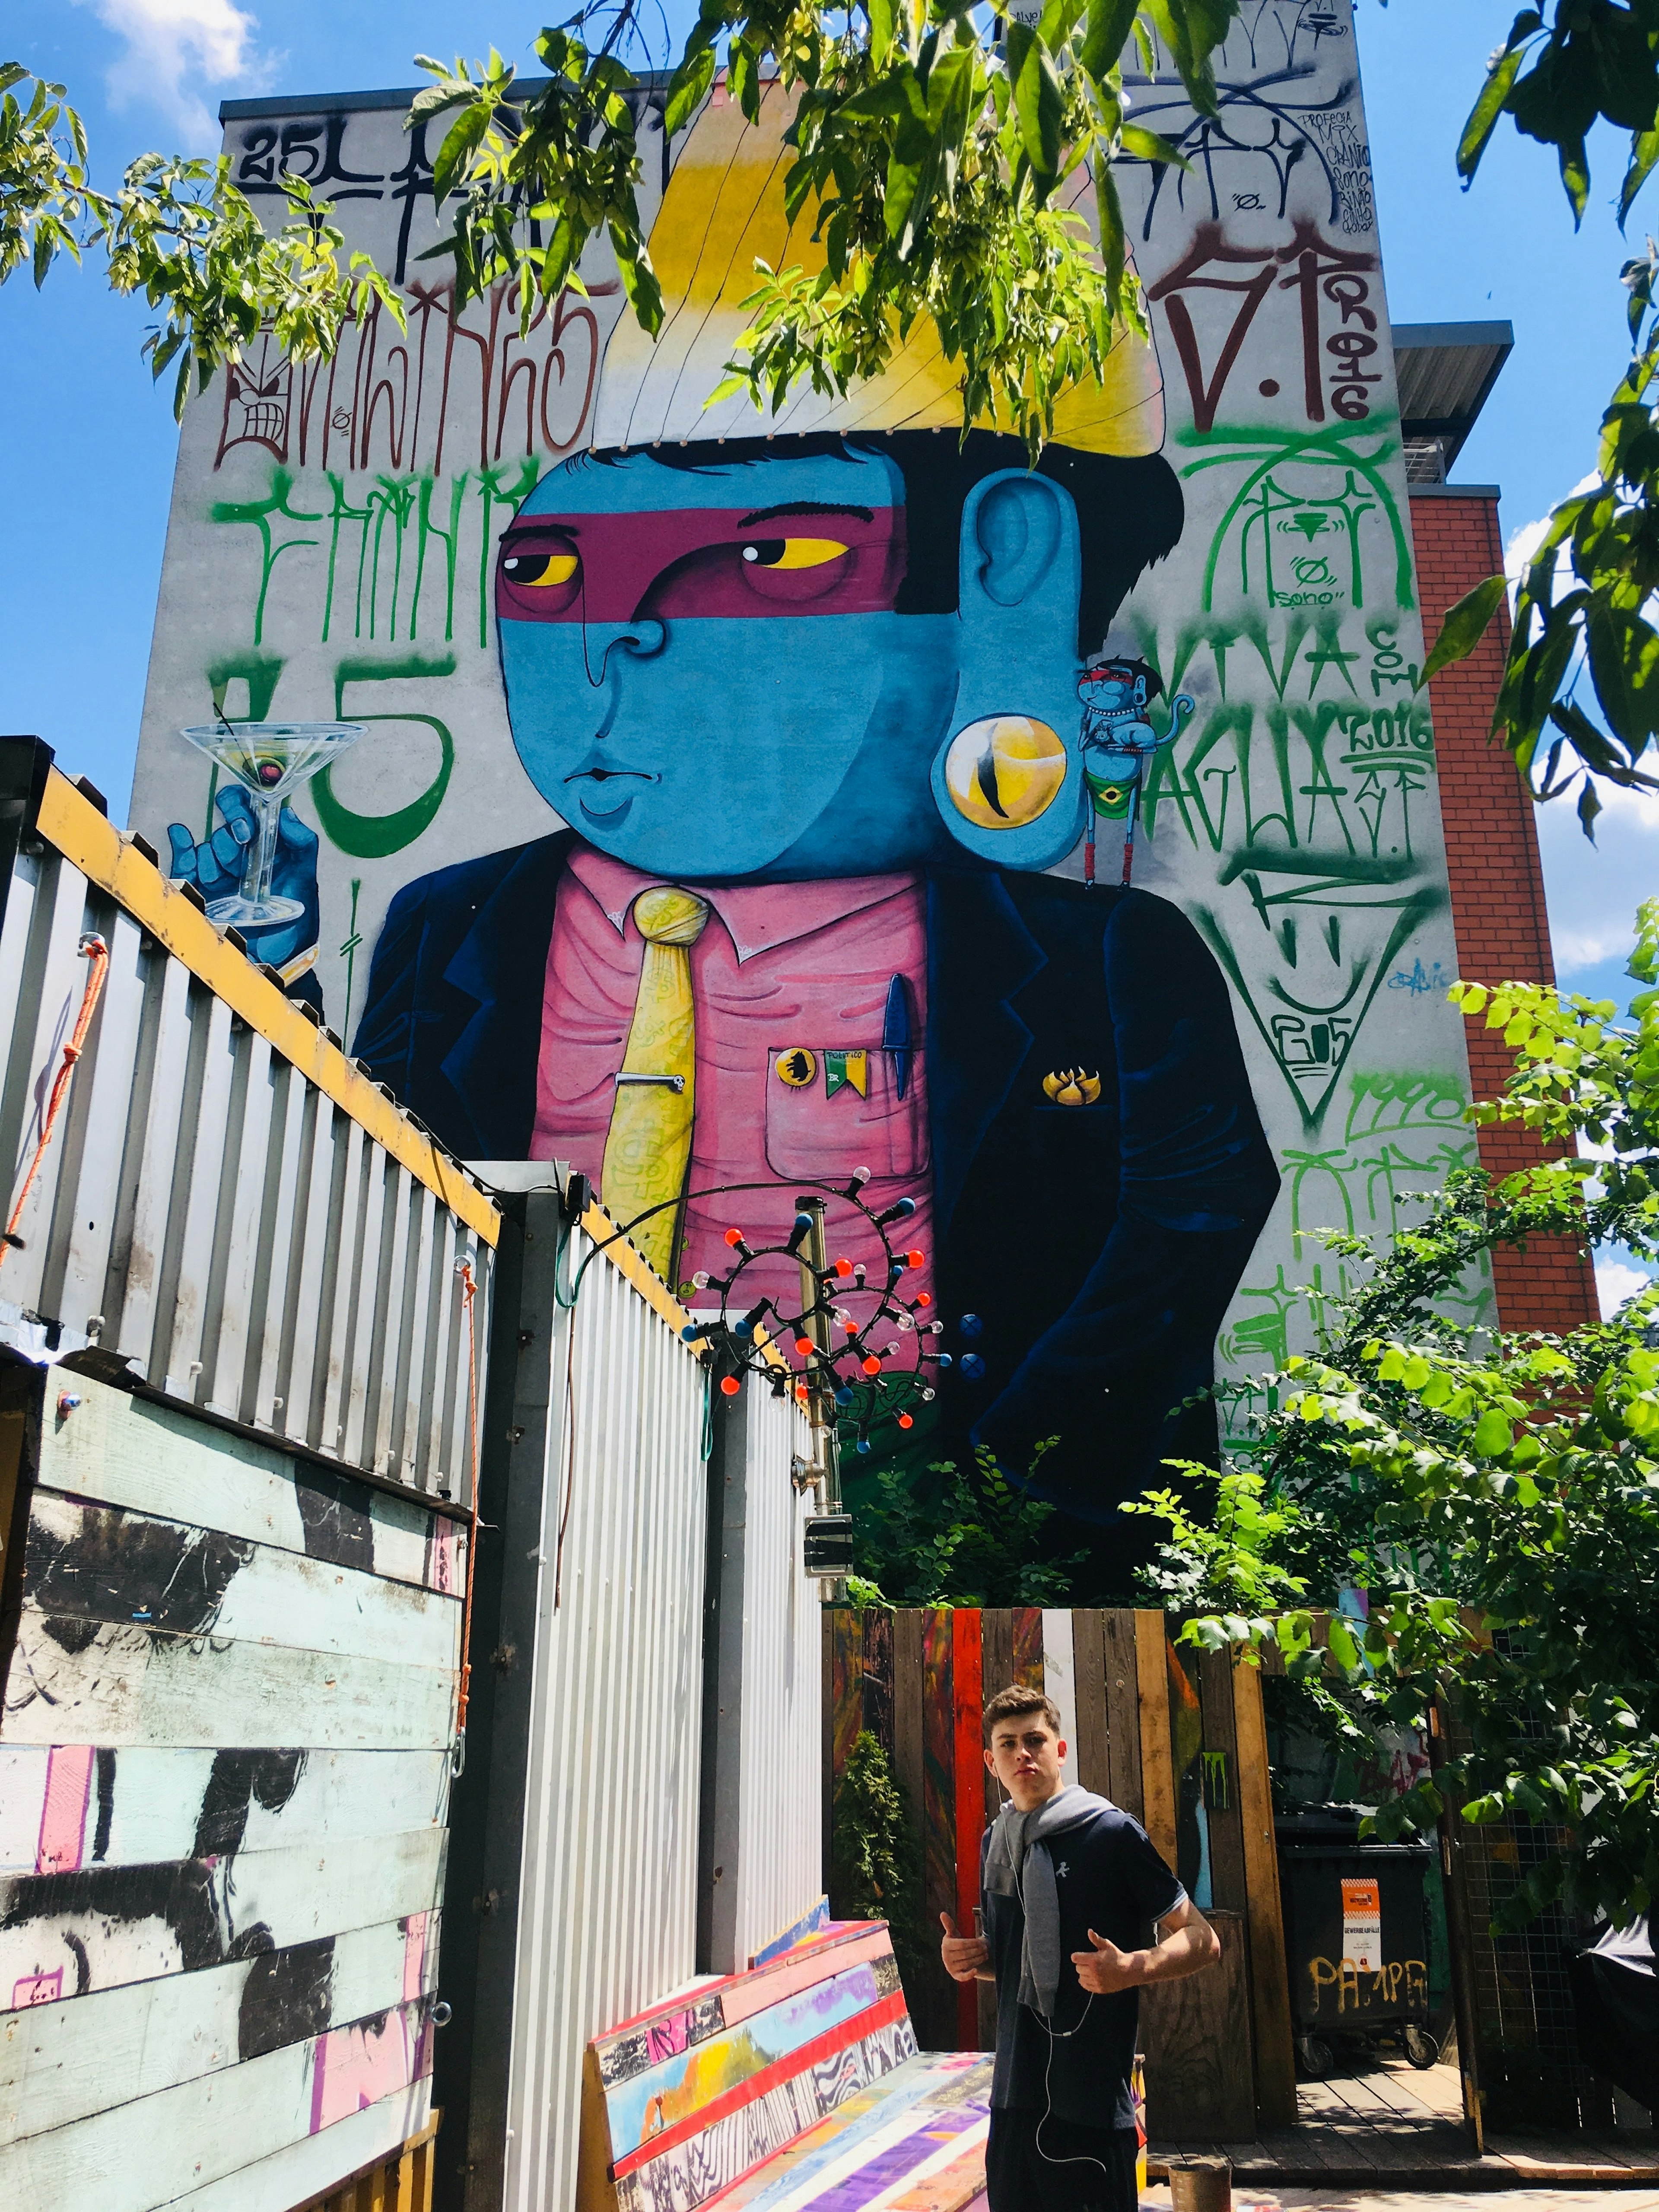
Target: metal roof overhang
1446,371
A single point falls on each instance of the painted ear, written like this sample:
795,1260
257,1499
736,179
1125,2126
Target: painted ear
1008,782
1020,551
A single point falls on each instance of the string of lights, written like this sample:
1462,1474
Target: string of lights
854,1337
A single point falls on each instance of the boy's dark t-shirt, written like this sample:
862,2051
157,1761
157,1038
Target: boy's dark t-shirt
1108,1877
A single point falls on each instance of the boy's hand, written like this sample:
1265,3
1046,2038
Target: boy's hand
1106,1969
965,1957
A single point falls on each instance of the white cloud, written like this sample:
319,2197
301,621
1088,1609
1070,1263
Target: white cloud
1615,1281
175,51
1594,891
1524,541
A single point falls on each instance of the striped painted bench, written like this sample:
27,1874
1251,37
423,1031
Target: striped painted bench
796,2083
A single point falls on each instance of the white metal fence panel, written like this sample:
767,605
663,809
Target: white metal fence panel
781,1814
608,1911
208,1212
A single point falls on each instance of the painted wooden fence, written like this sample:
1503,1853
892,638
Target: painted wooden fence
1174,1737
252,1327
242,1298
224,1770
402,2183
685,2100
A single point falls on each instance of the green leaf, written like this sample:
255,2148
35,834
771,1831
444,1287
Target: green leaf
881,31
639,280
1643,154
1492,1434
1465,625
1105,32
1039,101
1575,177
687,88
435,100
1149,146
461,141
1058,22
1114,238
1494,93
1590,805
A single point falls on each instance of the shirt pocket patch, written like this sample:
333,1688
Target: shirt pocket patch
809,1131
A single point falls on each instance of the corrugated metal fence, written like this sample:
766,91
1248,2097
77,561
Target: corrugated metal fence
780,1785
228,1211
609,1868
643,1777
214,1211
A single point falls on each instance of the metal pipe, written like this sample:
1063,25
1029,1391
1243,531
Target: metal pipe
820,1402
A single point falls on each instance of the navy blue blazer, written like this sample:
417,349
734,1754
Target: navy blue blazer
1100,1244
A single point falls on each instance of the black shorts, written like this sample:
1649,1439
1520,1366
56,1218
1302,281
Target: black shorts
1071,2169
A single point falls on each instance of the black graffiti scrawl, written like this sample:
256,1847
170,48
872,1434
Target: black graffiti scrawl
87,1567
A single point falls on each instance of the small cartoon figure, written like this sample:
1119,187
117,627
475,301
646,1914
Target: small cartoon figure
1118,742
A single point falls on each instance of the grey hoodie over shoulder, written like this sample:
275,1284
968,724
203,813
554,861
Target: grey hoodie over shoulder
1020,1863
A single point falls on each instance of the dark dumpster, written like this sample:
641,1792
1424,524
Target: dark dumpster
1356,1935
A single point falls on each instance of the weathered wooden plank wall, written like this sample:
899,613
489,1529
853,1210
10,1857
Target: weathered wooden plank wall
225,1727
1175,1738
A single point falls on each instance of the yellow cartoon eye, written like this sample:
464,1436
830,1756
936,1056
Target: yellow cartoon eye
539,569
792,552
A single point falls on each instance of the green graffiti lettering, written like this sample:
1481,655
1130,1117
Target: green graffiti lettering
259,512
373,836
1286,533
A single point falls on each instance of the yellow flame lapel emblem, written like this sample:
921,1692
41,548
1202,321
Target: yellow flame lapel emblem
1071,1086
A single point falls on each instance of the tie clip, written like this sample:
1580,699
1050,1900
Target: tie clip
673,1082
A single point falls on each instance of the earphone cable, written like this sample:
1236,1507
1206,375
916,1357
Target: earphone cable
1054,2036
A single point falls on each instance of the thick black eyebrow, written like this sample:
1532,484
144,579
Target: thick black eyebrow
806,506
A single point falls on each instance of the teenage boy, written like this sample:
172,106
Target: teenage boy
1069,1885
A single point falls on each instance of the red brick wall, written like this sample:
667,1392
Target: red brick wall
1496,882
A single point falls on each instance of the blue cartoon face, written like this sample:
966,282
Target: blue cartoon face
704,672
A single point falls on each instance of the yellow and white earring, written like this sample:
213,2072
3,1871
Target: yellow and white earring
1005,770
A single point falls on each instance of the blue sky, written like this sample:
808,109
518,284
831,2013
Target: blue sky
90,453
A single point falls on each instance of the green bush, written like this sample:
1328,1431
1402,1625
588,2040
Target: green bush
981,1544
875,1870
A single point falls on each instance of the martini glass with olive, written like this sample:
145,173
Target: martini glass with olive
268,759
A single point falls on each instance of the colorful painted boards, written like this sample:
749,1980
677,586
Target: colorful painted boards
797,2083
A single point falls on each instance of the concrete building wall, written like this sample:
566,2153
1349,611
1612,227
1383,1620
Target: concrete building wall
875,759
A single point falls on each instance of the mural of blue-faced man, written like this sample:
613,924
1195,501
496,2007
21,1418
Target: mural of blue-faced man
809,707
808,704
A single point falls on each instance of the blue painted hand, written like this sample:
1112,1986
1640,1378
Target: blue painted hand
216,867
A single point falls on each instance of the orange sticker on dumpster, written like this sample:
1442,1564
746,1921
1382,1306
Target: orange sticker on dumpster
1362,1922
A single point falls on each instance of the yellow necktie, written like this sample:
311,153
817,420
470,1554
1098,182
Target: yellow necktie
647,1148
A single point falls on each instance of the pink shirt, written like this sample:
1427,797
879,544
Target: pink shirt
778,967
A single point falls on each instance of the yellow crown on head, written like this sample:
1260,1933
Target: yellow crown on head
722,211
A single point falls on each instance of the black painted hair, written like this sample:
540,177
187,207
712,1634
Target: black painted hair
1147,674
1129,510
